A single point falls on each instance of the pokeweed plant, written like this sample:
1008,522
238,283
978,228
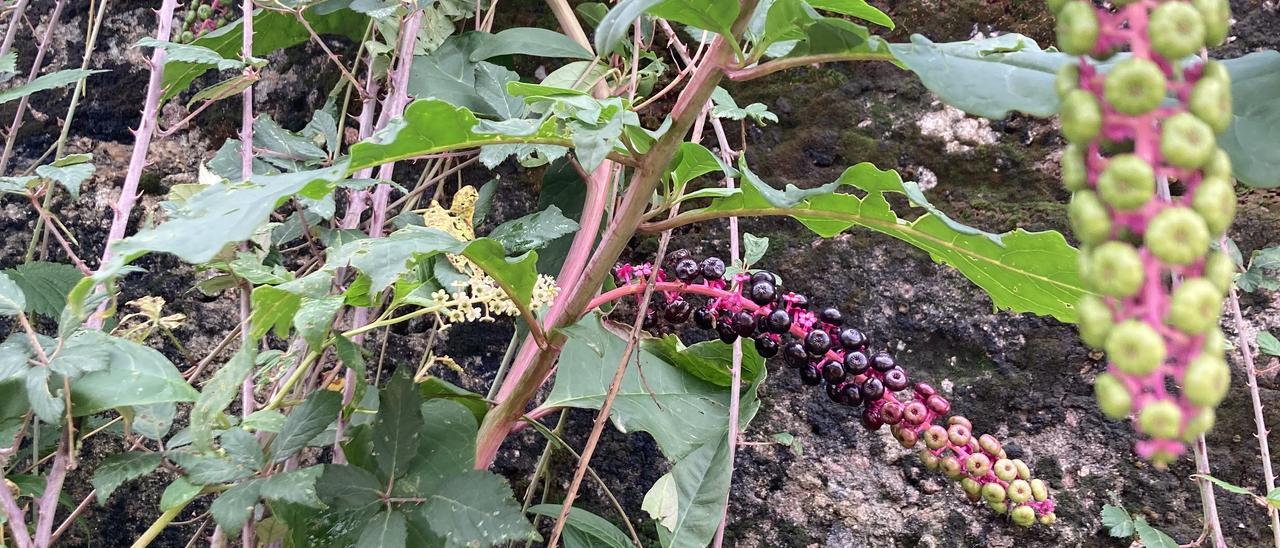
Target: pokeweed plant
301,437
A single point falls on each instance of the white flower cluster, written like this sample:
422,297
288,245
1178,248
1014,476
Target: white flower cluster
479,298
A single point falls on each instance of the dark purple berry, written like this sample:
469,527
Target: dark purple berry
763,276
871,418
891,413
811,375
872,390
763,293
704,318
766,347
727,333
674,257
852,339
678,311
795,356
650,319
833,372
712,268
882,362
799,301
852,395
687,270
895,379
778,321
817,342
744,323
835,392
831,316
855,363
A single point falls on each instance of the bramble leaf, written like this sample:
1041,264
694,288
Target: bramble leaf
119,468
48,81
217,394
1117,521
305,422
135,375
45,285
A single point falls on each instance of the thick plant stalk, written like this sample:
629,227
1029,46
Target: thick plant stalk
11,32
1207,497
17,521
397,99
246,174
48,502
54,17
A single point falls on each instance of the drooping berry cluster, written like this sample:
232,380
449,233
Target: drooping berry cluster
842,359
202,17
1150,121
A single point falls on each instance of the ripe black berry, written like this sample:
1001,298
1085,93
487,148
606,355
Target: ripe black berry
650,319
817,342
687,270
799,301
872,390
895,379
712,268
674,257
678,311
744,323
778,321
831,316
871,418
852,395
763,293
766,347
835,392
882,362
704,318
811,375
726,331
763,276
833,372
855,363
852,339
795,356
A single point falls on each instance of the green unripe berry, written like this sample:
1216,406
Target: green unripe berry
1077,27
1219,269
1023,516
998,507
189,17
1186,141
990,444
186,37
1135,348
1055,5
1019,491
1095,320
1039,490
977,465
1210,101
1215,344
1127,183
1206,380
951,467
1161,420
1219,165
1215,70
1195,307
1201,423
204,11
1067,79
1075,173
1113,399
993,492
1089,218
1216,15
1177,236
1215,201
971,488
1176,30
1135,86
935,437
1048,519
1081,116
1023,471
1005,469
221,22
1115,269
929,459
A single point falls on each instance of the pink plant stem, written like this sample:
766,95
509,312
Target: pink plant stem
1201,452
49,29
15,19
48,503
397,99
726,153
142,141
17,519
246,173
1251,375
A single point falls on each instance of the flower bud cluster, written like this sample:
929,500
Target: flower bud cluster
202,17
479,298
853,373
1149,121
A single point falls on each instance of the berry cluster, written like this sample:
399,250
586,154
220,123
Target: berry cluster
842,359
1147,252
202,18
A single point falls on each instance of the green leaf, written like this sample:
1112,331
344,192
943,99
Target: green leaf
1267,344
12,299
1263,272
710,361
294,486
314,318
135,375
662,502
387,529
217,394
348,487
533,41
273,311
712,15
615,25
1273,497
69,176
48,81
594,531
153,421
9,63
854,8
437,388
475,507
305,422
81,353
753,248
1226,486
1117,521
46,404
219,215
209,469
287,145
691,161
242,448
451,429
272,30
1152,537
1021,271
190,53
1256,106
264,420
701,481
13,409
533,231
235,505
224,89
398,426
179,493
119,468
45,285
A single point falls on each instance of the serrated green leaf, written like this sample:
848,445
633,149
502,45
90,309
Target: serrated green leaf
533,41
1152,537
348,487
272,311
48,81
46,403
387,529
13,410
45,285
234,506
294,486
475,507
314,318
12,299
135,375
1267,344
398,426
305,422
178,494
209,469
242,448
152,421
451,429
70,176
119,468
190,53
83,352
217,394
264,420
533,231
593,531
437,388
1117,521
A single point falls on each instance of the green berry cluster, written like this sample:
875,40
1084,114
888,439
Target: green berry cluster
1150,120
202,18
